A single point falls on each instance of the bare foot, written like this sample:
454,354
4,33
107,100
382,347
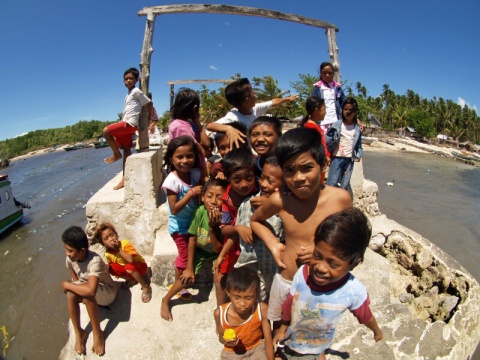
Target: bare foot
80,342
112,158
165,312
99,344
120,185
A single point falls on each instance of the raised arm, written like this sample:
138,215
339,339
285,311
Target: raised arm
235,137
280,101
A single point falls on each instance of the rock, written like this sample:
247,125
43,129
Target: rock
423,259
405,297
376,243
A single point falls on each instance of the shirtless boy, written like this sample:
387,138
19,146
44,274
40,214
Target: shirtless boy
302,206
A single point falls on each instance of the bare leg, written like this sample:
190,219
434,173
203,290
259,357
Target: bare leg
74,311
165,311
322,356
219,292
126,153
98,337
117,155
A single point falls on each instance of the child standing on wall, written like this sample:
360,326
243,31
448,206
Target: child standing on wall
344,139
242,324
324,289
119,135
182,189
123,259
90,284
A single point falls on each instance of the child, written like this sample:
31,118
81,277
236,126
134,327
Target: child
331,92
185,113
239,167
345,140
123,259
119,135
246,316
204,243
264,134
182,191
324,289
254,253
90,283
306,203
241,95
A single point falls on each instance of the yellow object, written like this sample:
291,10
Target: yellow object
229,335
5,335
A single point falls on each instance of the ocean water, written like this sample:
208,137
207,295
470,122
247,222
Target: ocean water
434,196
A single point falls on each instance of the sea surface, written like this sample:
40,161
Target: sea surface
436,197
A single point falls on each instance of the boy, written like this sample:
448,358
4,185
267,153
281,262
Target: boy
119,135
322,291
241,95
254,253
238,166
203,244
264,134
91,284
304,204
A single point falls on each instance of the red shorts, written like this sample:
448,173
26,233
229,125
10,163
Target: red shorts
121,271
230,260
122,132
181,240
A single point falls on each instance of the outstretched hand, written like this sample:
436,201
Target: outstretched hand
235,137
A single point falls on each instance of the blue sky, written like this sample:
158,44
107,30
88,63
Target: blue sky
63,61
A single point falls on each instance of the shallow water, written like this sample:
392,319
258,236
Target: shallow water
441,204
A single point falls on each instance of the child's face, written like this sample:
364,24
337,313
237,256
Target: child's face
130,81
110,239
301,174
183,159
212,198
243,301
264,139
223,146
243,181
251,99
327,74
271,179
349,113
325,267
74,254
319,113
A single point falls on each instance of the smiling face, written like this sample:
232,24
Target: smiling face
264,139
325,267
271,179
129,80
243,301
183,159
223,146
242,181
327,74
301,174
110,239
212,198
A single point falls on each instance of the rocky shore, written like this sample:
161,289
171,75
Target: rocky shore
425,302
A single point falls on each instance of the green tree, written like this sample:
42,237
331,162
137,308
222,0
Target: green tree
422,121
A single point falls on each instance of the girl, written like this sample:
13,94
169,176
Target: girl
182,191
344,140
185,114
246,316
264,134
123,259
331,92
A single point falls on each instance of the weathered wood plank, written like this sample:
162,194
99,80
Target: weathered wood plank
175,82
333,53
234,10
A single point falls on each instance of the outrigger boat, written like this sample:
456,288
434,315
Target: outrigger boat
11,210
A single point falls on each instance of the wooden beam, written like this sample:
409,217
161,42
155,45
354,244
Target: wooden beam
333,54
234,10
175,82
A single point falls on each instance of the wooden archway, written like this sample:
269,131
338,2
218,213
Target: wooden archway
147,49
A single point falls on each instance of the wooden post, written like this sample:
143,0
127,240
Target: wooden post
145,58
333,52
172,94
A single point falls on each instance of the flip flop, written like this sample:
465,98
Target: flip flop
147,295
184,295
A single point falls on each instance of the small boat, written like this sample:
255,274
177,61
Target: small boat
100,144
11,211
387,141
465,157
76,146
367,140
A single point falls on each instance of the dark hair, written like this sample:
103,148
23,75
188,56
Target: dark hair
350,100
184,105
242,279
132,71
267,120
311,104
237,91
325,64
238,159
97,236
271,160
173,145
236,125
214,182
75,237
348,232
297,141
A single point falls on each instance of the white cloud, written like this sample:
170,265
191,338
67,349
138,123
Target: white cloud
462,102
213,67
25,133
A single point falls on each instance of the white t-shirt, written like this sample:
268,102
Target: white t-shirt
258,110
347,135
329,97
134,101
